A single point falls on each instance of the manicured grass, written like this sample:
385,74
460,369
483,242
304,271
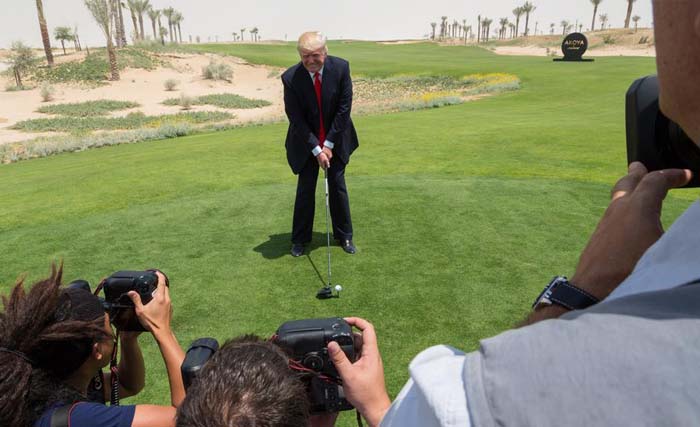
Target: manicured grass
223,100
130,121
89,108
461,214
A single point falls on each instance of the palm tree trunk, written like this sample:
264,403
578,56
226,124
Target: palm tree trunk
114,70
629,13
122,29
527,23
143,35
595,10
63,45
18,79
44,32
136,24
179,31
153,22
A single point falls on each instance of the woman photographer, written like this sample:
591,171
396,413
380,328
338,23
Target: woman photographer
53,340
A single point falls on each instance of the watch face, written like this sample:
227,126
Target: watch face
546,294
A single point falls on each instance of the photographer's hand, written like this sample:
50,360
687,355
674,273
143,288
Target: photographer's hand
363,381
630,225
155,317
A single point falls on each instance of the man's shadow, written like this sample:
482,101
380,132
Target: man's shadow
279,245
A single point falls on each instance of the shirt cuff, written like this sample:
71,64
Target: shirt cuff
329,144
316,151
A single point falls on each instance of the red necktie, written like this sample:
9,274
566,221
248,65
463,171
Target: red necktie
321,130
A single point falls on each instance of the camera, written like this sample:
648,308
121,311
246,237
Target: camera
117,302
654,139
307,343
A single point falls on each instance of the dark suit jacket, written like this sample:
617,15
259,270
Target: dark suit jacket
302,110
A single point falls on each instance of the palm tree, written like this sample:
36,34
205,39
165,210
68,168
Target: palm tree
76,39
595,11
464,28
636,19
504,24
478,29
44,32
154,14
486,26
443,27
564,26
142,6
121,29
518,12
63,34
630,3
100,10
235,36
433,25
603,20
528,8
254,34
242,31
551,28
177,18
169,12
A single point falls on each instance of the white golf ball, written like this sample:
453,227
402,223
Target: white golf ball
338,288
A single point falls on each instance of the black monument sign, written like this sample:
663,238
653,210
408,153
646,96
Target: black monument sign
573,47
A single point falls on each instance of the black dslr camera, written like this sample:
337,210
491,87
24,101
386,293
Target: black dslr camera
307,343
117,302
652,138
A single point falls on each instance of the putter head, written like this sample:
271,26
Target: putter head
324,293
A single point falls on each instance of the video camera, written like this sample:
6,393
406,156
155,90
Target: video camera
116,300
654,139
306,342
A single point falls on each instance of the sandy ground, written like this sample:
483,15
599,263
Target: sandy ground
601,51
147,88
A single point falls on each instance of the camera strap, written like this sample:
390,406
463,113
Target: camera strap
114,378
61,415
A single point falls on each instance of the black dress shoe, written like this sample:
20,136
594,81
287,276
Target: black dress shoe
297,249
348,246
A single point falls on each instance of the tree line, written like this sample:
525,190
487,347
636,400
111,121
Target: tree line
508,29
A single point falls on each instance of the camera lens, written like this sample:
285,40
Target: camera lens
313,361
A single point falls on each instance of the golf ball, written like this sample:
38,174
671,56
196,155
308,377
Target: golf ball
338,288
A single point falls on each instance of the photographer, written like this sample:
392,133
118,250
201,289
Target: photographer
248,382
53,340
629,360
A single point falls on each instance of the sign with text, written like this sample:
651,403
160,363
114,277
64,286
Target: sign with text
573,47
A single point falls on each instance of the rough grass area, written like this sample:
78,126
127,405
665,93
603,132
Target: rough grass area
131,121
223,100
416,92
88,108
95,67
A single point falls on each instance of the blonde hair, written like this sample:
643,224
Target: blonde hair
312,40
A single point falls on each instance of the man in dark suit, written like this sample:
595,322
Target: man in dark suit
317,100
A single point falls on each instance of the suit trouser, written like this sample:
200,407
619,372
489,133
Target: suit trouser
305,203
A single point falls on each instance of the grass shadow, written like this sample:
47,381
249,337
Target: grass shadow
278,245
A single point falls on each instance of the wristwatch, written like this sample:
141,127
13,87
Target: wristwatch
559,291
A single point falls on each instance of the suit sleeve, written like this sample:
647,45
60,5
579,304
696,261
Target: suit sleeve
293,109
342,117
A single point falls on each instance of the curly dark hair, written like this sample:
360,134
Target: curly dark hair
247,383
40,346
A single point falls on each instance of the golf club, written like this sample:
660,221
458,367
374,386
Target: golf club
327,291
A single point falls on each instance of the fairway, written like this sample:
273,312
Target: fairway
461,214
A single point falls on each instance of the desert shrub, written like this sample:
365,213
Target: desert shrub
43,147
88,108
131,121
171,84
223,100
643,40
47,91
217,71
185,101
608,39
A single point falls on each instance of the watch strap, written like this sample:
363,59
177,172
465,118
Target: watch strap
561,292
